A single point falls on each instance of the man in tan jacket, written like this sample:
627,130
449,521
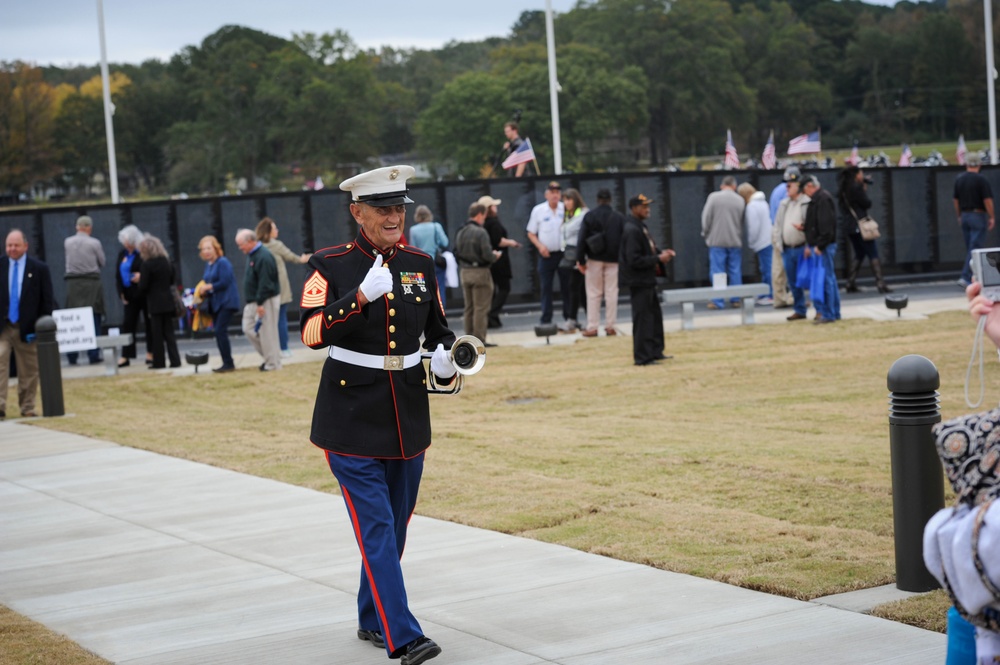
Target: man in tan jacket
789,231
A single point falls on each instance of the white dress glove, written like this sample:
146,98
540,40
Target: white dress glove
441,364
377,282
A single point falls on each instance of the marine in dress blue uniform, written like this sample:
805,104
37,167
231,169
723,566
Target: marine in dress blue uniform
369,302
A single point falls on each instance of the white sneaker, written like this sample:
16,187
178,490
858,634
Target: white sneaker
287,353
961,282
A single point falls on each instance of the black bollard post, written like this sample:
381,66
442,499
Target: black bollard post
49,369
917,476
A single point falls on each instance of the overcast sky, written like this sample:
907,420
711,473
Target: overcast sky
64,32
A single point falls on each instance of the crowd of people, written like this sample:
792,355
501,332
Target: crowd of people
147,285
593,253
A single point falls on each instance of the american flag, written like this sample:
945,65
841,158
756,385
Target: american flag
732,159
523,154
767,158
960,153
805,144
906,157
855,157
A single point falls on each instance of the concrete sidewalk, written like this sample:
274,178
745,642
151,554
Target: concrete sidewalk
148,559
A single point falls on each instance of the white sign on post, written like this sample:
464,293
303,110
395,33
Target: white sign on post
75,329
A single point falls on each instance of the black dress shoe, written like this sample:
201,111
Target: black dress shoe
372,636
124,363
419,650
224,368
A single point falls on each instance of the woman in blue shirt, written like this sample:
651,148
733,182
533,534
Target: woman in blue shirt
220,288
428,236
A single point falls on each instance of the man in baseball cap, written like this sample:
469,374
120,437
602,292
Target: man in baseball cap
640,261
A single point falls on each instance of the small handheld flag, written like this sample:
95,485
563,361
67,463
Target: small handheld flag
523,154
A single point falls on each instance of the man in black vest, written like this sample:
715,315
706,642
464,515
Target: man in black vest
638,263
369,302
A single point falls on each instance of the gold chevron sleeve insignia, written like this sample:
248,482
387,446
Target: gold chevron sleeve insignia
314,291
312,334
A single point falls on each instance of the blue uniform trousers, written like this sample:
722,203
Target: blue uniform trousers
380,495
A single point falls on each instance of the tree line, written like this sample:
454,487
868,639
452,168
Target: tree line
642,82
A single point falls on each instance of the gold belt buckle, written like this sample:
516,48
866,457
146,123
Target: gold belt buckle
392,363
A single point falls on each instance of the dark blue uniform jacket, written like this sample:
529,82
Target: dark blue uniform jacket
362,411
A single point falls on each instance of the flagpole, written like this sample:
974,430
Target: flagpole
553,89
990,78
109,108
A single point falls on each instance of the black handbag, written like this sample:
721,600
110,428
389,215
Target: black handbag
596,243
439,259
568,259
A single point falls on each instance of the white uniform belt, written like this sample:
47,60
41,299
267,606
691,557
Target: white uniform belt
391,363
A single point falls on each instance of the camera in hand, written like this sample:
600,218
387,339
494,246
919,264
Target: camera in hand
986,268
867,179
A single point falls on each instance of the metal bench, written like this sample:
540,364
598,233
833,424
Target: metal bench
113,343
688,297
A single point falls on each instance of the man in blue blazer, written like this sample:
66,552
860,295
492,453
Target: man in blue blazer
25,296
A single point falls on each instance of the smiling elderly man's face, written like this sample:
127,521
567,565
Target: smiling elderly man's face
382,225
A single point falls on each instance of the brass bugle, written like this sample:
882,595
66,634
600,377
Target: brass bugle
468,355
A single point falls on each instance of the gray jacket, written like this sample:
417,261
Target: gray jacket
722,219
